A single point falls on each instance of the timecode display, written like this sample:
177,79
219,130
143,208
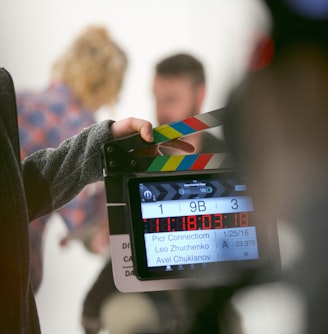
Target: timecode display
196,222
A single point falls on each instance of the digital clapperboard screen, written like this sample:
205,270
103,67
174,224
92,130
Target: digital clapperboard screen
187,223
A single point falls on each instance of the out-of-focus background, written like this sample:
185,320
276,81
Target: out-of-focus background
220,33
34,33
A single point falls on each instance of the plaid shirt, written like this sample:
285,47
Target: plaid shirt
45,119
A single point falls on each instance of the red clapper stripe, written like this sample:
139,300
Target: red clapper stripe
201,161
195,123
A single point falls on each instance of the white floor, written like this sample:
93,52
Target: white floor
68,272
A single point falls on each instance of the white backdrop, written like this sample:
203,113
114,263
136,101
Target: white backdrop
34,32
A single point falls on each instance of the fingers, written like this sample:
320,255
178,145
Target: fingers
132,125
146,132
179,144
147,152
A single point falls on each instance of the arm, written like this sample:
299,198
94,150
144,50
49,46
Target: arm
52,177
42,126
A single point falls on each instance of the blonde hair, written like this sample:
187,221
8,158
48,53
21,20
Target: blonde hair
93,63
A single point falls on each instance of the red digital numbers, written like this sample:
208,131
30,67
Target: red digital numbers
197,222
243,219
191,223
206,222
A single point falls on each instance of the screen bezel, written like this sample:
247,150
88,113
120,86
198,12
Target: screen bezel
143,272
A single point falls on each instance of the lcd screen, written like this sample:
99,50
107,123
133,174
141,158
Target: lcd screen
183,225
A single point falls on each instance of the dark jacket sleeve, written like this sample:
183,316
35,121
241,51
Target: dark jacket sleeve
52,177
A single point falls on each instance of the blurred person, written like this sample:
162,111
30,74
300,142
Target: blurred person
179,89
88,75
276,127
43,182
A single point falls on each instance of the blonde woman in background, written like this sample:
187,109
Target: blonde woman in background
86,77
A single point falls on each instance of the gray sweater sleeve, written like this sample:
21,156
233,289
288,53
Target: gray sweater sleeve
52,177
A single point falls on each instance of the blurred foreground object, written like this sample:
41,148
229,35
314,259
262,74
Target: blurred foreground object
276,128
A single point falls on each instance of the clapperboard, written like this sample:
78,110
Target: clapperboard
183,220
